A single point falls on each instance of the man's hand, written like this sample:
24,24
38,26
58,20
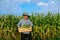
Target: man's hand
19,29
30,28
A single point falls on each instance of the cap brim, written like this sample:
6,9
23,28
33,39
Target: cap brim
26,15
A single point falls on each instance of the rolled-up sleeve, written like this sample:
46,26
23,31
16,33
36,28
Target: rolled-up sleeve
19,24
31,24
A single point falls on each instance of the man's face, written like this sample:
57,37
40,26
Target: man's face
26,17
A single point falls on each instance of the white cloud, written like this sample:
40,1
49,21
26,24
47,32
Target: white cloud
52,1
17,1
24,0
42,4
28,0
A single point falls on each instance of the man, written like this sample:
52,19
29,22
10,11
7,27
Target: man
22,22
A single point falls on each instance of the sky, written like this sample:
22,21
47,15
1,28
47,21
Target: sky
17,7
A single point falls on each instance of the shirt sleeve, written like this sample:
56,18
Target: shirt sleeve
19,23
31,24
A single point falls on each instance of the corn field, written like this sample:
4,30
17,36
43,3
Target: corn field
46,27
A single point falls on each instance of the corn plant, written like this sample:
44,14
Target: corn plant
45,27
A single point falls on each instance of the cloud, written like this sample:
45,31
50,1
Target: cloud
18,6
52,6
28,0
17,1
23,0
52,1
42,4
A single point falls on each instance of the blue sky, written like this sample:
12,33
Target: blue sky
17,7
